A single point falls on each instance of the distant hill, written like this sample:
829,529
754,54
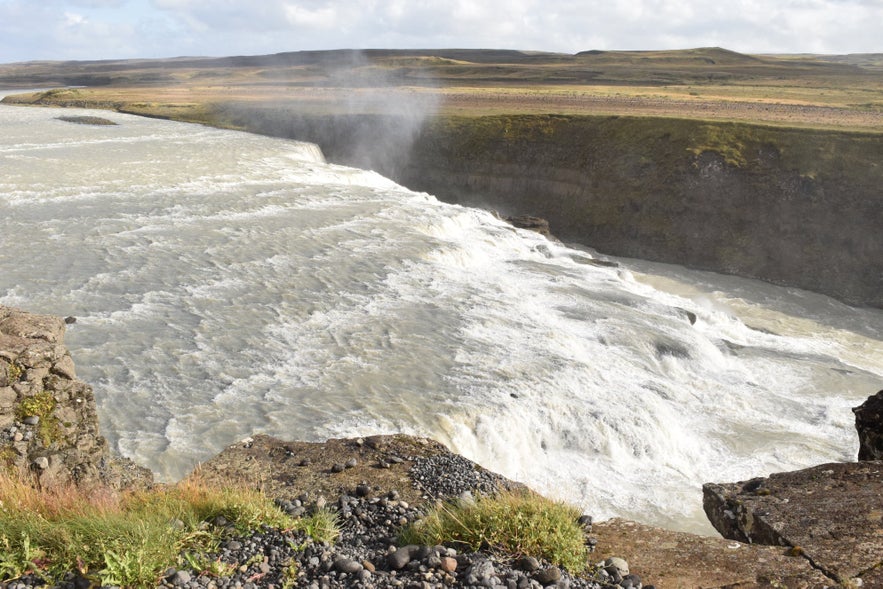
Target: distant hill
452,66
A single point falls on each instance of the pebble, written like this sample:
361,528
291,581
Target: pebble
346,565
528,564
448,564
180,578
402,556
548,576
450,475
616,565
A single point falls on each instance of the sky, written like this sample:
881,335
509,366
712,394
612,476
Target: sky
114,29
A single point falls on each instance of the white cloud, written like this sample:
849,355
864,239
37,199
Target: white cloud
151,28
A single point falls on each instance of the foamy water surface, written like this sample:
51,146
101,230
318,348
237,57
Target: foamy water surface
227,284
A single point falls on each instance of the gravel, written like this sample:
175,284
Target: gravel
366,554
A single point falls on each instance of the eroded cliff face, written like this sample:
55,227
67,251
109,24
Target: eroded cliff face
798,208
48,421
790,206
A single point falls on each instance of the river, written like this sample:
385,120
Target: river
226,284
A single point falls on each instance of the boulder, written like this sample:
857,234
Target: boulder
48,421
831,514
869,423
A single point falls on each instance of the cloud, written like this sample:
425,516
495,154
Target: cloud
82,29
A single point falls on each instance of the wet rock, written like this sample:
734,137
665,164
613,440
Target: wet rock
537,224
869,423
832,512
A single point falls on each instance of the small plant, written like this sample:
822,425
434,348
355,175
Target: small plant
321,526
513,524
289,575
14,371
208,566
41,405
20,561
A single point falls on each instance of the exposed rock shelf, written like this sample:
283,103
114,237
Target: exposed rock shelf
48,422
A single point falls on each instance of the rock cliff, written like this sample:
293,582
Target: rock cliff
795,207
48,423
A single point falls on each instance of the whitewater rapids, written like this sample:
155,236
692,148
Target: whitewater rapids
227,284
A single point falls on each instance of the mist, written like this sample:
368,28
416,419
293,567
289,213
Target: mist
359,112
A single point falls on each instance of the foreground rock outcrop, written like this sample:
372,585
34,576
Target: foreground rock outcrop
48,422
678,560
419,469
831,514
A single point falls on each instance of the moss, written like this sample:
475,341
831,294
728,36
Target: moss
41,405
727,140
14,371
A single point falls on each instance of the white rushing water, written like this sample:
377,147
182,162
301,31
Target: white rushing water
227,284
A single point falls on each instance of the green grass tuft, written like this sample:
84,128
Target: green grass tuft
513,524
127,539
323,526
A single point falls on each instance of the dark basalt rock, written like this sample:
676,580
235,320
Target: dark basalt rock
87,120
869,423
537,224
831,514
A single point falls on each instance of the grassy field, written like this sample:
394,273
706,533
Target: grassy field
829,92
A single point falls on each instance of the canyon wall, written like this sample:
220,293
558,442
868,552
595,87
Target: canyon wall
794,207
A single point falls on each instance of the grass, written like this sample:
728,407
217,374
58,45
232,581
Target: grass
706,84
513,524
129,539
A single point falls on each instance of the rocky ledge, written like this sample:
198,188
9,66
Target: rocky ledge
48,422
820,527
831,515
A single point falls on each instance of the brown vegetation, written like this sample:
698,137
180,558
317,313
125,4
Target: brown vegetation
841,92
